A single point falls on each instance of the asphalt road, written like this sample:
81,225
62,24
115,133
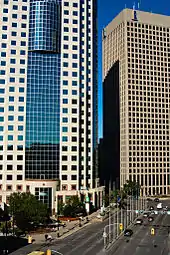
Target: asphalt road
89,240
142,242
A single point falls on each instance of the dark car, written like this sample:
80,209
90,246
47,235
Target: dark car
156,200
151,208
150,219
128,232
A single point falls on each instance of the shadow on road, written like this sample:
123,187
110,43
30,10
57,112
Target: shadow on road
12,243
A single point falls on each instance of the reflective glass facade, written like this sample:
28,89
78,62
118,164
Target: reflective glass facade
43,92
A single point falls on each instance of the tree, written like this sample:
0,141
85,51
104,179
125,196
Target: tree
26,209
73,207
131,188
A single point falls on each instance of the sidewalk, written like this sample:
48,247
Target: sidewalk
70,228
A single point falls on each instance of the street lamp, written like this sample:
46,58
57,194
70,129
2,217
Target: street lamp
105,233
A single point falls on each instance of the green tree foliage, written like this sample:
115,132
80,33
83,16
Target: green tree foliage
73,207
131,188
26,209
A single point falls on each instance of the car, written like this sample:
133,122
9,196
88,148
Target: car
150,218
151,208
139,222
165,208
149,199
159,206
152,212
128,232
145,215
156,200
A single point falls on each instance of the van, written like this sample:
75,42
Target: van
159,206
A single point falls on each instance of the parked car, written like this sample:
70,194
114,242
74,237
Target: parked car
165,208
128,232
156,200
145,215
139,222
150,218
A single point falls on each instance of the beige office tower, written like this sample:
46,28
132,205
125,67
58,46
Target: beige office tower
136,67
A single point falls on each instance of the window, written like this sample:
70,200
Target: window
21,80
74,177
11,99
65,110
21,99
64,138
19,177
14,16
21,89
15,7
20,118
66,12
23,43
65,73
10,118
64,129
20,128
65,101
11,108
1,118
66,21
11,79
9,178
19,167
10,128
10,137
65,64
20,137
65,120
23,25
19,187
11,89
75,4
65,92
8,188
65,82
74,92
75,13
20,157
12,61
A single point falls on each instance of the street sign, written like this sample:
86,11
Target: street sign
152,231
118,199
121,226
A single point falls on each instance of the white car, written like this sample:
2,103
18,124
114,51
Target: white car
159,206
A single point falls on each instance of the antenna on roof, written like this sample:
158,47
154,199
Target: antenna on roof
125,6
134,6
139,2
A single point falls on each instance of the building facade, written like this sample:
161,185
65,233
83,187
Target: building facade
48,98
136,63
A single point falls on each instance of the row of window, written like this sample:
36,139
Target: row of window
11,138
10,177
10,157
11,147
10,167
11,128
7,1
65,187
11,99
9,187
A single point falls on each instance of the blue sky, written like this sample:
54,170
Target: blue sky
107,10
